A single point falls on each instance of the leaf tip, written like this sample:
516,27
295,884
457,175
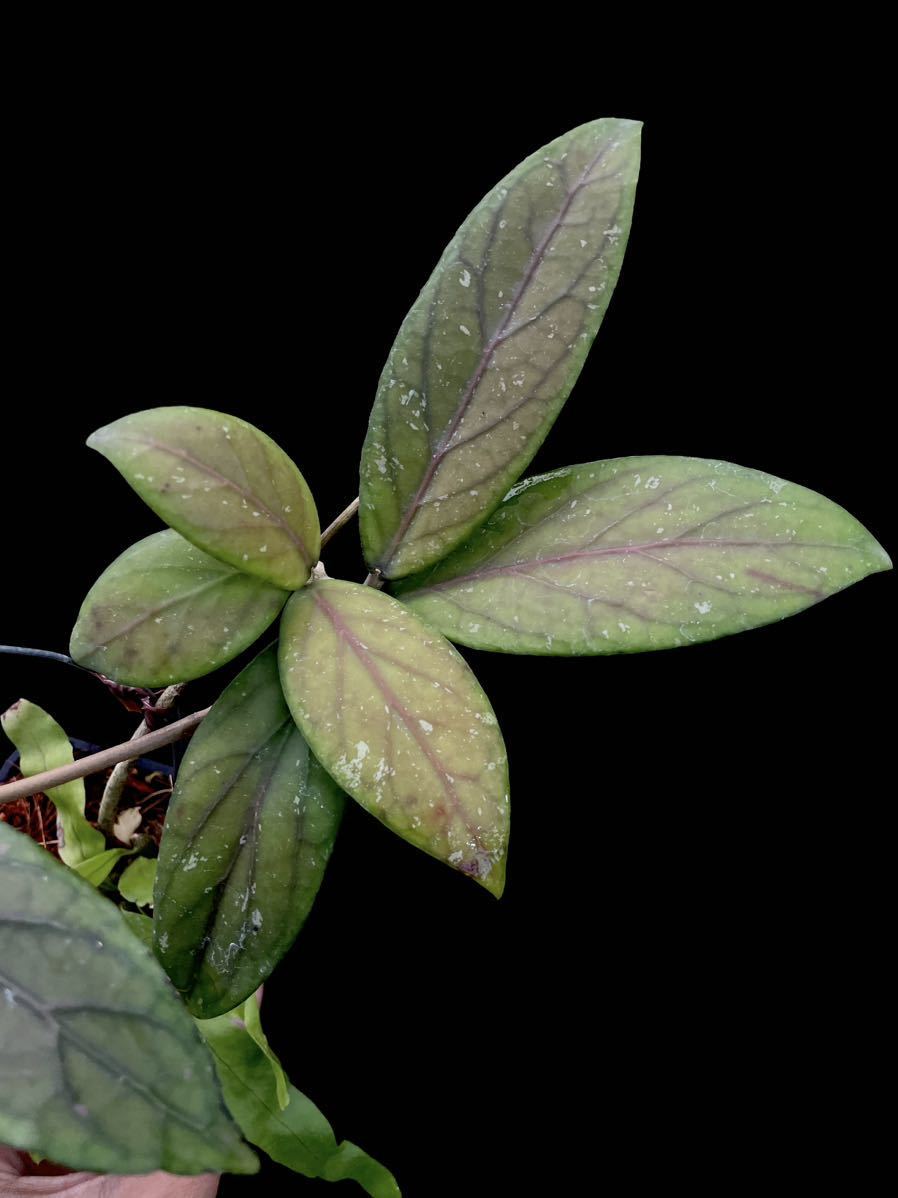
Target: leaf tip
98,438
492,878
884,561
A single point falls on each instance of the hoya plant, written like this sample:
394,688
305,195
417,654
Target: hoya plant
139,1030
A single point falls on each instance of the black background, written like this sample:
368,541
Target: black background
683,978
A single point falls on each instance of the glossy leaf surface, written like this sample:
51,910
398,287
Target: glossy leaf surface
493,345
101,1066
248,834
167,612
297,1135
43,745
397,717
223,484
642,553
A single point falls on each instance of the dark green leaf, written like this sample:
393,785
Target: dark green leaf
43,745
642,553
298,1135
493,345
247,837
165,611
223,484
101,1066
395,714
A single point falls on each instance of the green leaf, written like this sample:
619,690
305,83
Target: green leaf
165,611
395,714
141,926
642,553
136,882
98,868
253,1022
351,1163
43,745
102,1067
223,484
298,1135
248,834
493,345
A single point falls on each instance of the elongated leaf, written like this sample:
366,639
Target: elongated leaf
136,882
165,611
43,745
223,484
97,869
248,834
297,1135
642,553
100,1067
351,1163
400,721
493,345
253,1022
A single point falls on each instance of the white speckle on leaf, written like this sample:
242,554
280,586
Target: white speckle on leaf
465,278
464,329
426,726
702,608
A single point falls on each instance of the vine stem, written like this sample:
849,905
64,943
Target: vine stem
334,527
127,751
47,654
115,784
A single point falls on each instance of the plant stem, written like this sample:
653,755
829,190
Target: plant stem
344,518
40,783
374,579
19,651
119,776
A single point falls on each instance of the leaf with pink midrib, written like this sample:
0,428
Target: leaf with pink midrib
400,722
642,553
493,345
